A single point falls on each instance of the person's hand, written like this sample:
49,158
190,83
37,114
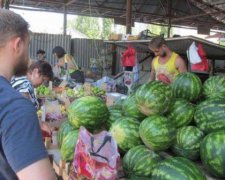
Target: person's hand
45,127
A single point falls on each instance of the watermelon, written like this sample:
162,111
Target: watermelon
157,132
212,151
89,111
188,141
187,86
214,87
177,168
68,145
210,115
125,132
181,113
64,129
137,159
153,98
130,108
115,114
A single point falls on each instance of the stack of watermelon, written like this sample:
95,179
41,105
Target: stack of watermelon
185,119
90,112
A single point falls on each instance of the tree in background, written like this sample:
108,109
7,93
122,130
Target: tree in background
94,28
159,30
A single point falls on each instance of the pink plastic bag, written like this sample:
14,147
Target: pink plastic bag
96,156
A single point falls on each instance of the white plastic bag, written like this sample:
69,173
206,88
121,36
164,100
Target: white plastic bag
193,55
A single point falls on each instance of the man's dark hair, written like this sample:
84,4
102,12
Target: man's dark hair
44,68
12,25
40,51
59,51
157,42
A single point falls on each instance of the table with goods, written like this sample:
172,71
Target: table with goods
163,132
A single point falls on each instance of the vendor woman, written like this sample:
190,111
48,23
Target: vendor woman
38,73
63,58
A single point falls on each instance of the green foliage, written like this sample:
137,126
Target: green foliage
92,27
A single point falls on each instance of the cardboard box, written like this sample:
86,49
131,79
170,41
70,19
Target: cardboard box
115,37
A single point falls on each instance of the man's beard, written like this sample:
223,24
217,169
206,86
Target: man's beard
163,54
22,67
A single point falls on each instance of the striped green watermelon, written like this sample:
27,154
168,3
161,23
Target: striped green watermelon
115,113
177,168
212,152
187,86
68,145
214,87
89,111
181,113
157,132
153,98
125,132
64,129
210,115
130,108
188,141
139,161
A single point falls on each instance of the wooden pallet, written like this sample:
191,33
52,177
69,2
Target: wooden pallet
62,169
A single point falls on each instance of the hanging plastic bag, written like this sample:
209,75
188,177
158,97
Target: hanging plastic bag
203,65
96,156
193,55
129,57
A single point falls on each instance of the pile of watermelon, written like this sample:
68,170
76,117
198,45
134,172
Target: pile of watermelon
185,120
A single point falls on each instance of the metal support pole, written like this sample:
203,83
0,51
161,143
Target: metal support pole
129,17
65,20
114,53
169,15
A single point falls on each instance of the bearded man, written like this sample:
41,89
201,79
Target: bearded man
167,64
22,152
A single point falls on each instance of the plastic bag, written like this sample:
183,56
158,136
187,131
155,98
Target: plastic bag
96,156
193,55
203,65
53,110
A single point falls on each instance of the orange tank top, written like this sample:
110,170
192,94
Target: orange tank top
166,72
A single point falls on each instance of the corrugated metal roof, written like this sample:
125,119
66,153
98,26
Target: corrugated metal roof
183,12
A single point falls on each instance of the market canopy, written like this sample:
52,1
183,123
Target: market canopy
179,45
202,14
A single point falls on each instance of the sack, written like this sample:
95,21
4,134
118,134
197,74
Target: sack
129,57
96,156
193,55
203,65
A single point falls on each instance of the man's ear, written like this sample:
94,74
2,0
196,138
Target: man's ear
17,43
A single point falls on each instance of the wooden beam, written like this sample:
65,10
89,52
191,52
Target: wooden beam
70,2
129,17
65,20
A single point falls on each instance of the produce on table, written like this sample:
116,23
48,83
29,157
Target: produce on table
214,87
157,132
140,161
187,86
130,108
153,98
97,91
177,168
64,129
188,141
43,91
210,115
68,145
125,132
181,113
90,112
212,152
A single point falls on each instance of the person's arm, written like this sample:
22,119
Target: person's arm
180,65
152,73
36,171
